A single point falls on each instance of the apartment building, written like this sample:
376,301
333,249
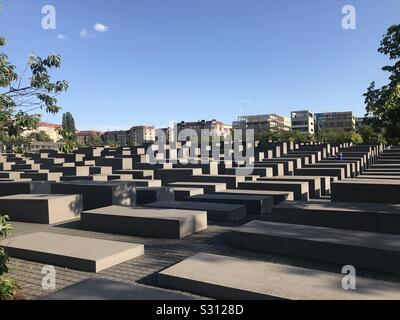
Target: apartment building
50,129
302,121
137,135
335,120
215,127
83,136
263,123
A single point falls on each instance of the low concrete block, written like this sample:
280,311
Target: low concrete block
229,278
254,204
300,189
98,194
278,196
145,222
361,249
41,208
366,190
381,218
80,253
153,194
105,289
208,187
215,211
181,193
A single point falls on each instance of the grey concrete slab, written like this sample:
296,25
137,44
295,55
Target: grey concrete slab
98,194
255,204
288,165
314,183
349,173
41,208
215,211
381,218
81,253
338,173
13,175
231,181
278,169
41,176
366,190
208,187
263,172
175,174
360,249
23,187
71,171
300,189
95,177
115,163
145,222
153,194
207,168
224,277
137,174
181,193
379,177
105,289
103,170
278,196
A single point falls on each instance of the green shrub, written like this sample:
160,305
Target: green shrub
8,287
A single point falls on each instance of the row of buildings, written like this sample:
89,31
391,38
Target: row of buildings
303,121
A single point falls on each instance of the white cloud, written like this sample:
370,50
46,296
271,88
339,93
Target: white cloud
99,27
86,34
61,36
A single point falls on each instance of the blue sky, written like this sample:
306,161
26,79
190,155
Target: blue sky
155,61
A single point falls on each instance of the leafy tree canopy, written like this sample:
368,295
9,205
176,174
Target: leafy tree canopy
383,104
23,96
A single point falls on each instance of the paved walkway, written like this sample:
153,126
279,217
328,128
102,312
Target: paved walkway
159,254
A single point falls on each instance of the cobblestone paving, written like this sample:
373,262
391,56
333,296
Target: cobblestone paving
159,254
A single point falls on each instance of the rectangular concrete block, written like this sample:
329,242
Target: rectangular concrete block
153,194
380,218
314,183
105,289
41,208
338,173
215,211
360,249
278,196
80,253
181,193
231,181
366,190
98,194
255,204
208,187
145,222
231,278
300,189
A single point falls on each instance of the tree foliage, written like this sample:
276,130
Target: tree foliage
24,95
68,140
383,104
68,122
94,140
40,136
324,136
8,287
